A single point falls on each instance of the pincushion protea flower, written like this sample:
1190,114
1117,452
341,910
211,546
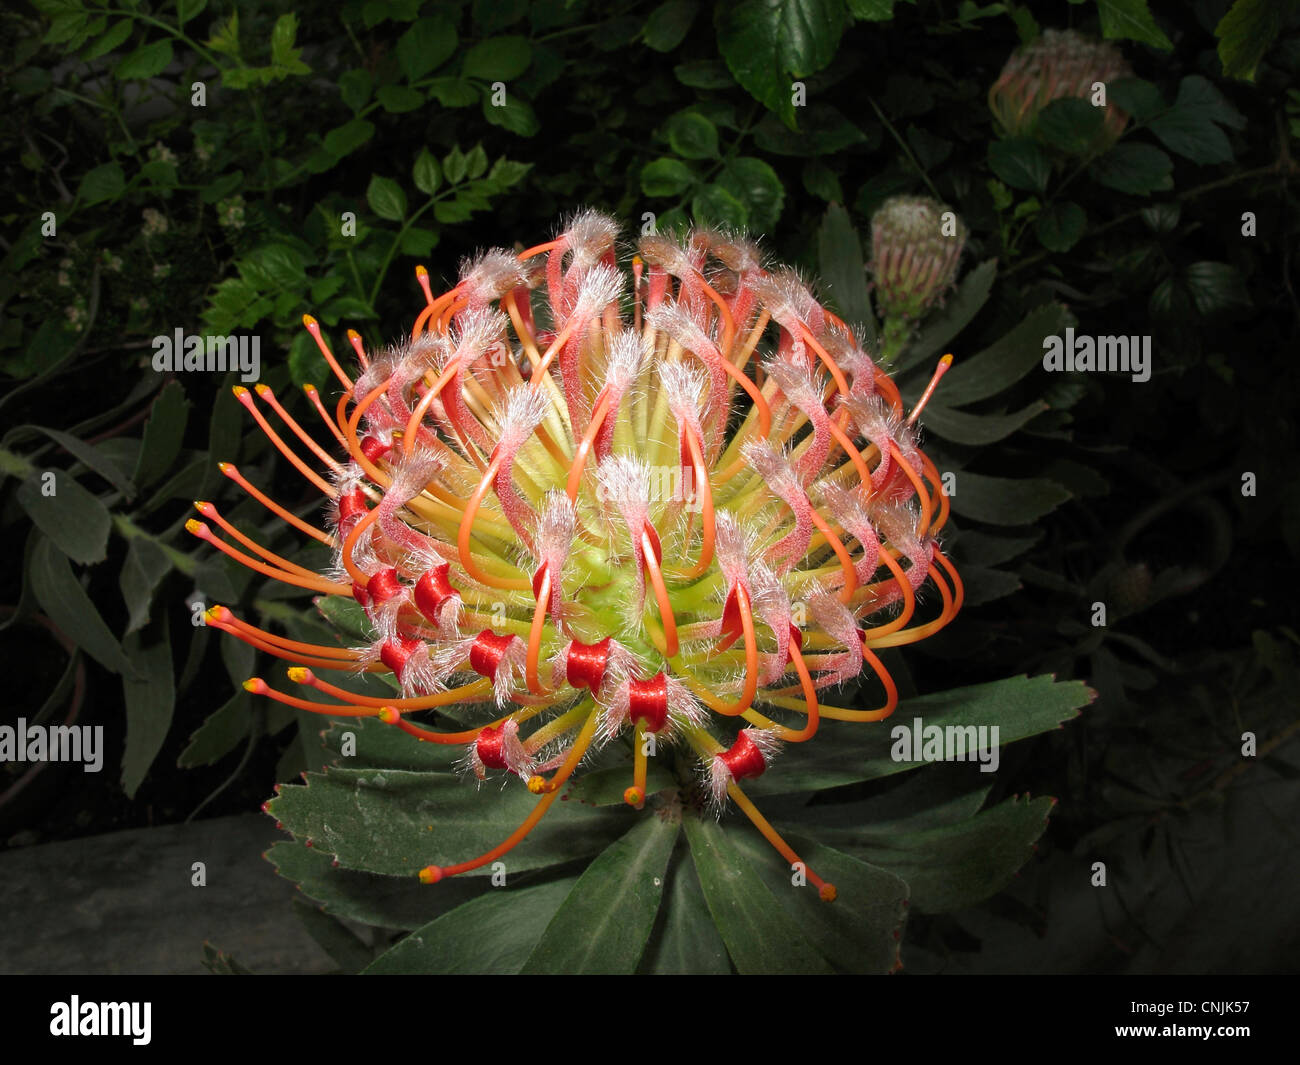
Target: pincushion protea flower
914,255
581,526
1056,65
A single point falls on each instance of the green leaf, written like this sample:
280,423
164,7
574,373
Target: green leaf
284,56
1020,163
1006,360
507,173
1189,127
104,182
147,61
1134,168
70,608
714,205
498,58
978,430
116,34
666,177
1216,287
948,867
689,943
603,925
821,181
1004,500
398,99
76,521
163,433
760,934
367,743
385,901
839,252
1135,97
822,131
493,934
493,15
396,822
692,136
668,24
186,10
1060,226
223,731
343,946
1245,33
1131,20
386,198
704,74
1070,125
145,566
768,44
516,115
757,186
1020,706
355,86
861,930
426,45
453,92
427,174
419,242
150,701
350,136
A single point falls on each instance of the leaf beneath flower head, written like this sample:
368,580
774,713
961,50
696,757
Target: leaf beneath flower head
396,822
603,924
846,752
688,944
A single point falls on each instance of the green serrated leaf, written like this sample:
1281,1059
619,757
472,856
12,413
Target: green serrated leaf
1005,361
1131,20
603,924
225,729
668,24
692,136
145,566
756,185
150,701
1134,168
498,58
1070,125
147,61
714,205
74,519
1006,500
386,198
1020,163
978,430
163,433
426,45
70,608
1060,226
666,177
1245,33
104,182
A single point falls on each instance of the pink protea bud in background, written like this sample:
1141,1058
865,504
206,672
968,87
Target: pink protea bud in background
916,244
1057,65
669,515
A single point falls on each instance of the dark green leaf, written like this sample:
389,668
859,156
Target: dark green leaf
118,33
1189,127
350,136
498,58
355,87
1070,124
1006,500
839,252
978,430
760,934
163,433
704,74
757,186
150,701
666,177
689,944
516,115
398,99
427,175
1134,168
770,43
668,24
1131,20
104,182
75,520
426,44
386,198
493,934
1216,287
692,136
1245,33
942,326
1005,361
70,608
1060,226
714,205
147,61
348,952
1135,97
145,566
603,924
223,731
1020,163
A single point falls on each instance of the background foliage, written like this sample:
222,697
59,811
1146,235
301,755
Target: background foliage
1071,489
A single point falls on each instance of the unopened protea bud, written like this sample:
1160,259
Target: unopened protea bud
673,516
1059,64
916,243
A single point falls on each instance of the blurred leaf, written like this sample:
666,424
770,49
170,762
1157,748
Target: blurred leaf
516,115
714,205
692,136
70,608
665,177
1020,163
1060,226
425,45
769,43
163,433
1131,20
493,934
757,186
1005,500
839,252
399,99
355,87
104,182
1134,168
76,521
350,136
978,430
760,935
498,58
1136,97
704,74
1216,287
822,131
603,924
110,41
1070,124
348,952
147,61
1245,33
1189,127
386,198
668,24
150,701
427,176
